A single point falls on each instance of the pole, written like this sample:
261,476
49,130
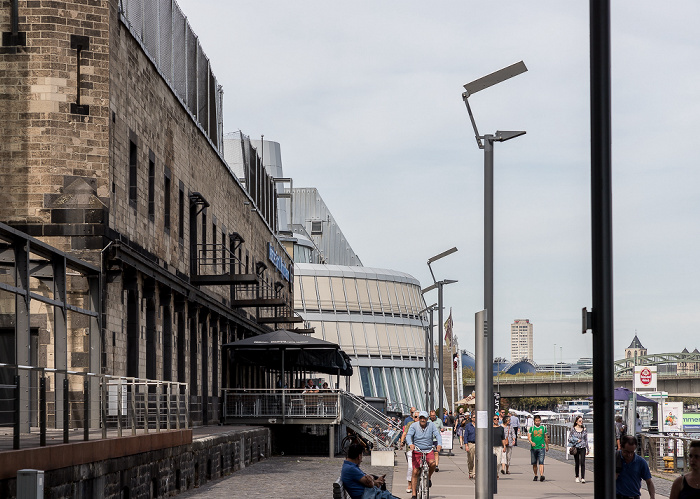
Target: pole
452,373
427,371
432,362
486,347
484,407
283,388
441,387
601,242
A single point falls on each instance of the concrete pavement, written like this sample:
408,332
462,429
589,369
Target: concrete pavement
452,480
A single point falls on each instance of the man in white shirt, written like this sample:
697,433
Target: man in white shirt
515,424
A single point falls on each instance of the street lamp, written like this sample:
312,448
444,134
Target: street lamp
439,285
484,366
429,358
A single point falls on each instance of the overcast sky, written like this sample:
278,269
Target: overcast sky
365,99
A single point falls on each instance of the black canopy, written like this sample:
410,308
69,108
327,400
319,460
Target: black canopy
291,351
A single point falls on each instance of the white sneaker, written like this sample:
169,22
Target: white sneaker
577,480
583,480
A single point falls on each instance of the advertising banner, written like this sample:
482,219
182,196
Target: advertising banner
446,435
672,417
644,378
691,422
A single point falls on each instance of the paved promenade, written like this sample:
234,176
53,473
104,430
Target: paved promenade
452,480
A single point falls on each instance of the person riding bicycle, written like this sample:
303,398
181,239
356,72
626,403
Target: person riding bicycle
421,436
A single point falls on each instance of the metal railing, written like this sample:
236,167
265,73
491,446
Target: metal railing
665,453
280,403
44,405
372,424
276,405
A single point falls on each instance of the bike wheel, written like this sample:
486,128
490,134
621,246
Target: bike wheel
424,482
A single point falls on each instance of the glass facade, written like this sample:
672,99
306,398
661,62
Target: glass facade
373,315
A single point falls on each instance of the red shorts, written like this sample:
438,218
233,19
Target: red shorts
430,457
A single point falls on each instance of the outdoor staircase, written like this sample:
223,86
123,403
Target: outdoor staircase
371,424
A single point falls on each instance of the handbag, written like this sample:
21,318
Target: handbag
573,450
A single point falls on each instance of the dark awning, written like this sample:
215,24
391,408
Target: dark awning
300,352
623,393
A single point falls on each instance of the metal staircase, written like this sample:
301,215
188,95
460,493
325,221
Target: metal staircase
367,421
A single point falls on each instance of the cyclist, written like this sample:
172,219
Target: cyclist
421,435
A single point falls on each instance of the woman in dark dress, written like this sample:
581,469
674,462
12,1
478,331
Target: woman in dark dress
688,485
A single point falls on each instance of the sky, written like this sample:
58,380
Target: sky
365,99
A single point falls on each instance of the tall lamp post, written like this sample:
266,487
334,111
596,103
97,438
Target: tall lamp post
485,482
439,285
429,358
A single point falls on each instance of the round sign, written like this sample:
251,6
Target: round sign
645,376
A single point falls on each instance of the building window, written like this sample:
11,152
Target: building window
151,187
133,172
166,200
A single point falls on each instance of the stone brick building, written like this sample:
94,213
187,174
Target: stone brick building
111,126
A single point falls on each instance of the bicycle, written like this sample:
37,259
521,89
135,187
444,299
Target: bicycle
423,487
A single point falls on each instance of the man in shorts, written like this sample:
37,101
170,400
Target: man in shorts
421,435
539,444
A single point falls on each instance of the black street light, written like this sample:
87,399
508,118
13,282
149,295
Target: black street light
485,483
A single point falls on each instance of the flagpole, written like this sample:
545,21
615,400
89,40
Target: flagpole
452,362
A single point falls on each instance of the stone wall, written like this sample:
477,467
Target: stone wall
160,473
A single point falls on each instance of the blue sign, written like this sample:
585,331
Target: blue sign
277,261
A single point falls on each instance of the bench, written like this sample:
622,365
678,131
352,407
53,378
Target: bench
339,491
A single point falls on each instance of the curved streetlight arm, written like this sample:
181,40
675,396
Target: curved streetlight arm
465,97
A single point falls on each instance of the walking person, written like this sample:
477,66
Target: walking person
539,444
630,470
438,425
458,429
688,485
498,442
470,445
511,441
578,440
409,451
514,423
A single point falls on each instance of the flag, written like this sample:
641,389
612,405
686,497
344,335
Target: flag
448,330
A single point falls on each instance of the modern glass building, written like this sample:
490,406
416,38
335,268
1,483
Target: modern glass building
373,314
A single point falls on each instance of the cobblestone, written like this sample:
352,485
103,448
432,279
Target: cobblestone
291,477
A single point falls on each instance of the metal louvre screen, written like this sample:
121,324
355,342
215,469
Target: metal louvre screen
170,43
179,53
202,88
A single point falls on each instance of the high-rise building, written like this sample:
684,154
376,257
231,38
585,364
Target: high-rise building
521,344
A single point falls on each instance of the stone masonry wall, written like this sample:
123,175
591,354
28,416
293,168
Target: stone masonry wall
162,473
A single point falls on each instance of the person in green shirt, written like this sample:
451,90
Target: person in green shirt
539,444
438,424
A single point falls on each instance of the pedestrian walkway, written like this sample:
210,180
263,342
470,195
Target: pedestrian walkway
452,480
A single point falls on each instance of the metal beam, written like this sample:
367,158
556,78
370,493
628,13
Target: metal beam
223,279
272,320
258,302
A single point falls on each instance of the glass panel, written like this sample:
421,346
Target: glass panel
364,295
366,382
391,338
324,293
374,296
386,305
408,294
344,336
78,290
391,289
410,346
7,263
359,335
298,302
41,276
371,335
391,385
381,339
419,335
379,382
339,294
402,386
398,286
308,285
418,388
411,389
351,292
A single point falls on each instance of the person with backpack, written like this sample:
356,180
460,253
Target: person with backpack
620,431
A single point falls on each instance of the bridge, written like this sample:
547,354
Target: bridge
678,384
